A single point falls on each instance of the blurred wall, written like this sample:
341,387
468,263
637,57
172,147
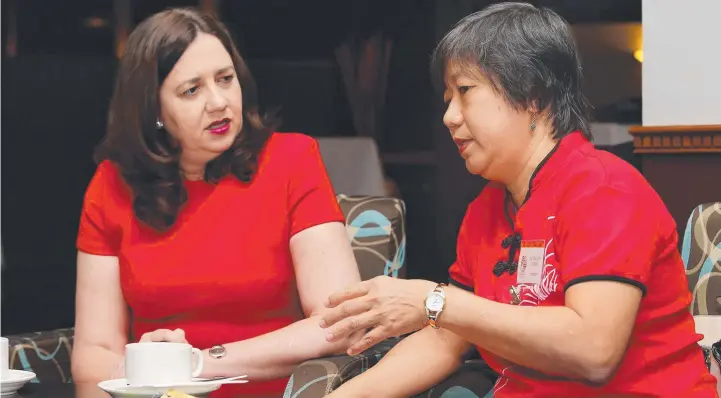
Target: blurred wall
682,60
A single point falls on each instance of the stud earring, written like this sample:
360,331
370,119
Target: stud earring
533,122
159,124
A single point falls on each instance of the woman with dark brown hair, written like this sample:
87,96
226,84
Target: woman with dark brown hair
200,225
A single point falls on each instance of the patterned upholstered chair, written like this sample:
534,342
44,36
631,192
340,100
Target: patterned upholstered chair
376,228
701,252
46,353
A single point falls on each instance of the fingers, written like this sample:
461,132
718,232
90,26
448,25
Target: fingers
178,336
350,292
343,311
164,335
370,339
156,335
348,326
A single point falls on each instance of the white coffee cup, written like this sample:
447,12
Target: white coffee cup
4,358
161,364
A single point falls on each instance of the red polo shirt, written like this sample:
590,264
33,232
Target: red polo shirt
591,216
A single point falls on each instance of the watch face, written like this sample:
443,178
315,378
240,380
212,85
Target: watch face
434,302
217,351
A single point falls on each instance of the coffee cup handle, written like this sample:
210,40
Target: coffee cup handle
199,365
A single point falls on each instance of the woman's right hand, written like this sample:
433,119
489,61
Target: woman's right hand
164,335
378,308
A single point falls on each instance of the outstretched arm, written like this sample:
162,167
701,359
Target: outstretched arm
324,263
416,364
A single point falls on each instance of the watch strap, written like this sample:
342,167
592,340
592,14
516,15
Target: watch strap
432,316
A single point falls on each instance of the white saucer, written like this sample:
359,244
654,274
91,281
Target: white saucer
14,381
119,388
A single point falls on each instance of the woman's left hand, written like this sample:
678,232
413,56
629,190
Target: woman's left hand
390,306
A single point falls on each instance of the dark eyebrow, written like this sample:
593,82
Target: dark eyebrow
195,80
224,70
452,79
192,81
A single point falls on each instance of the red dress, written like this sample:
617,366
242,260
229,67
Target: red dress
593,217
224,272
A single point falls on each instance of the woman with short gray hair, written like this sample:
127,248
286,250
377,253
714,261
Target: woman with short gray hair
567,278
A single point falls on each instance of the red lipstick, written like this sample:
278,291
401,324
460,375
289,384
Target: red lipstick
219,127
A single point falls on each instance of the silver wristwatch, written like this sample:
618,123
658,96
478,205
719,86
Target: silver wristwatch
435,302
217,351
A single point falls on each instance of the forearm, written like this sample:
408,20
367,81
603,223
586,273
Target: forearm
94,363
275,354
416,364
551,340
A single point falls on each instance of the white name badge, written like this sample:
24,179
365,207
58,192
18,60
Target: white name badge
531,261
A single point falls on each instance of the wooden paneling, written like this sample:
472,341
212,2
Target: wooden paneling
683,164
676,139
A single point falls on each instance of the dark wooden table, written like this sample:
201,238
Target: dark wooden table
52,390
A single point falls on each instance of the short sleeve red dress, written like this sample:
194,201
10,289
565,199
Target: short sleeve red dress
223,272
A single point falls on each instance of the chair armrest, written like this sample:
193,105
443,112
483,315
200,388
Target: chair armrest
319,377
45,353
